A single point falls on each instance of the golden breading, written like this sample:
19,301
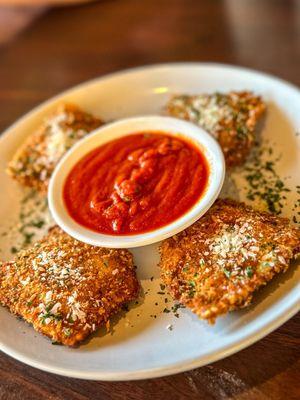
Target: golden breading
231,118
67,289
34,162
215,265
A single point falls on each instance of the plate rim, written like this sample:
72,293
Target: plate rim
189,364
128,71
158,372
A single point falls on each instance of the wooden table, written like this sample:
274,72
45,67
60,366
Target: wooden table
44,51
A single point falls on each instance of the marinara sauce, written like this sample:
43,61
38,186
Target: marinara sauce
136,183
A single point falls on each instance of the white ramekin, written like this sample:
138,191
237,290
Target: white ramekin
208,145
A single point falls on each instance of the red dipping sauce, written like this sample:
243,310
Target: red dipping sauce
136,183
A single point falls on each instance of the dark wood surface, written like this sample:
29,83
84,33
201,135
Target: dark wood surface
43,51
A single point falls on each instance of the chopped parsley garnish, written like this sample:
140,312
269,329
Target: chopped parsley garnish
28,237
48,314
67,332
227,273
176,307
264,183
249,272
265,264
38,224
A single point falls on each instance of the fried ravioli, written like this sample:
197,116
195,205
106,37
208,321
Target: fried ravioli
215,265
34,162
67,289
231,118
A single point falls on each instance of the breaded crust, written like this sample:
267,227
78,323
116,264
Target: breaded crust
67,289
215,265
34,162
231,118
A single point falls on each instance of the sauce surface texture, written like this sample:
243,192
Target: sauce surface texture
136,183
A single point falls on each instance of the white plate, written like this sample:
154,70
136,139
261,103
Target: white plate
141,346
